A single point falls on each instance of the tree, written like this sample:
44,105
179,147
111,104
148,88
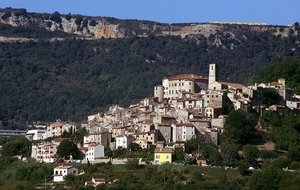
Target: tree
238,127
243,167
270,119
287,136
18,146
295,165
67,148
212,154
250,154
133,163
229,153
192,145
294,153
178,154
134,147
271,97
265,179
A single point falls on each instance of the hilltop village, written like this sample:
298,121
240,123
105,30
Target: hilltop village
183,107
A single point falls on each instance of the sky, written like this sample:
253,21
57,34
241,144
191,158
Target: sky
275,12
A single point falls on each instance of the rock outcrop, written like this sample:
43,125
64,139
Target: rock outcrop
105,27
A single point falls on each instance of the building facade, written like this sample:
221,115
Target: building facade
162,155
61,171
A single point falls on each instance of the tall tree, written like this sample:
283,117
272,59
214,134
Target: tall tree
238,127
19,146
67,148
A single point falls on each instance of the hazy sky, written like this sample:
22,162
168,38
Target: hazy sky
172,11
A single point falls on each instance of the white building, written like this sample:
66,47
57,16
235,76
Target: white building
61,171
94,152
293,104
45,151
183,132
95,182
123,141
35,134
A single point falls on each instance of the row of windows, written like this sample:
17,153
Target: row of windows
174,91
158,157
179,84
212,96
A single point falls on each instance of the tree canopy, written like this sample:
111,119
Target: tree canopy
73,78
67,148
238,127
17,146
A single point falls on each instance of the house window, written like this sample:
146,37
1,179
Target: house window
167,156
157,157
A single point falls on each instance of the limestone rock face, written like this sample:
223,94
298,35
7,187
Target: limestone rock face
105,27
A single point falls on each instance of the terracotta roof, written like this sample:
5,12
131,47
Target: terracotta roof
184,125
56,124
199,120
167,116
58,139
187,77
84,148
234,85
275,84
99,179
163,150
164,124
63,167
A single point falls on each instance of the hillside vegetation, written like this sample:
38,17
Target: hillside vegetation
288,69
70,79
45,80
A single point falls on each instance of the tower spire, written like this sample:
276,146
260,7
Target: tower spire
212,74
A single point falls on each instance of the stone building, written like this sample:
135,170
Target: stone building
172,86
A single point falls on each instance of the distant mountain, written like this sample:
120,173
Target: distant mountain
68,66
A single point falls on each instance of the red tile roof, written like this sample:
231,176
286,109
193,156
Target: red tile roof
187,77
234,85
56,124
184,124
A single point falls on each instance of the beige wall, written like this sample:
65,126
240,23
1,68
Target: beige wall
213,99
173,87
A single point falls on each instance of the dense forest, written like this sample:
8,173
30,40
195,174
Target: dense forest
288,69
44,81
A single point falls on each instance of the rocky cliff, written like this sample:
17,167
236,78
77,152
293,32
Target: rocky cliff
106,27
